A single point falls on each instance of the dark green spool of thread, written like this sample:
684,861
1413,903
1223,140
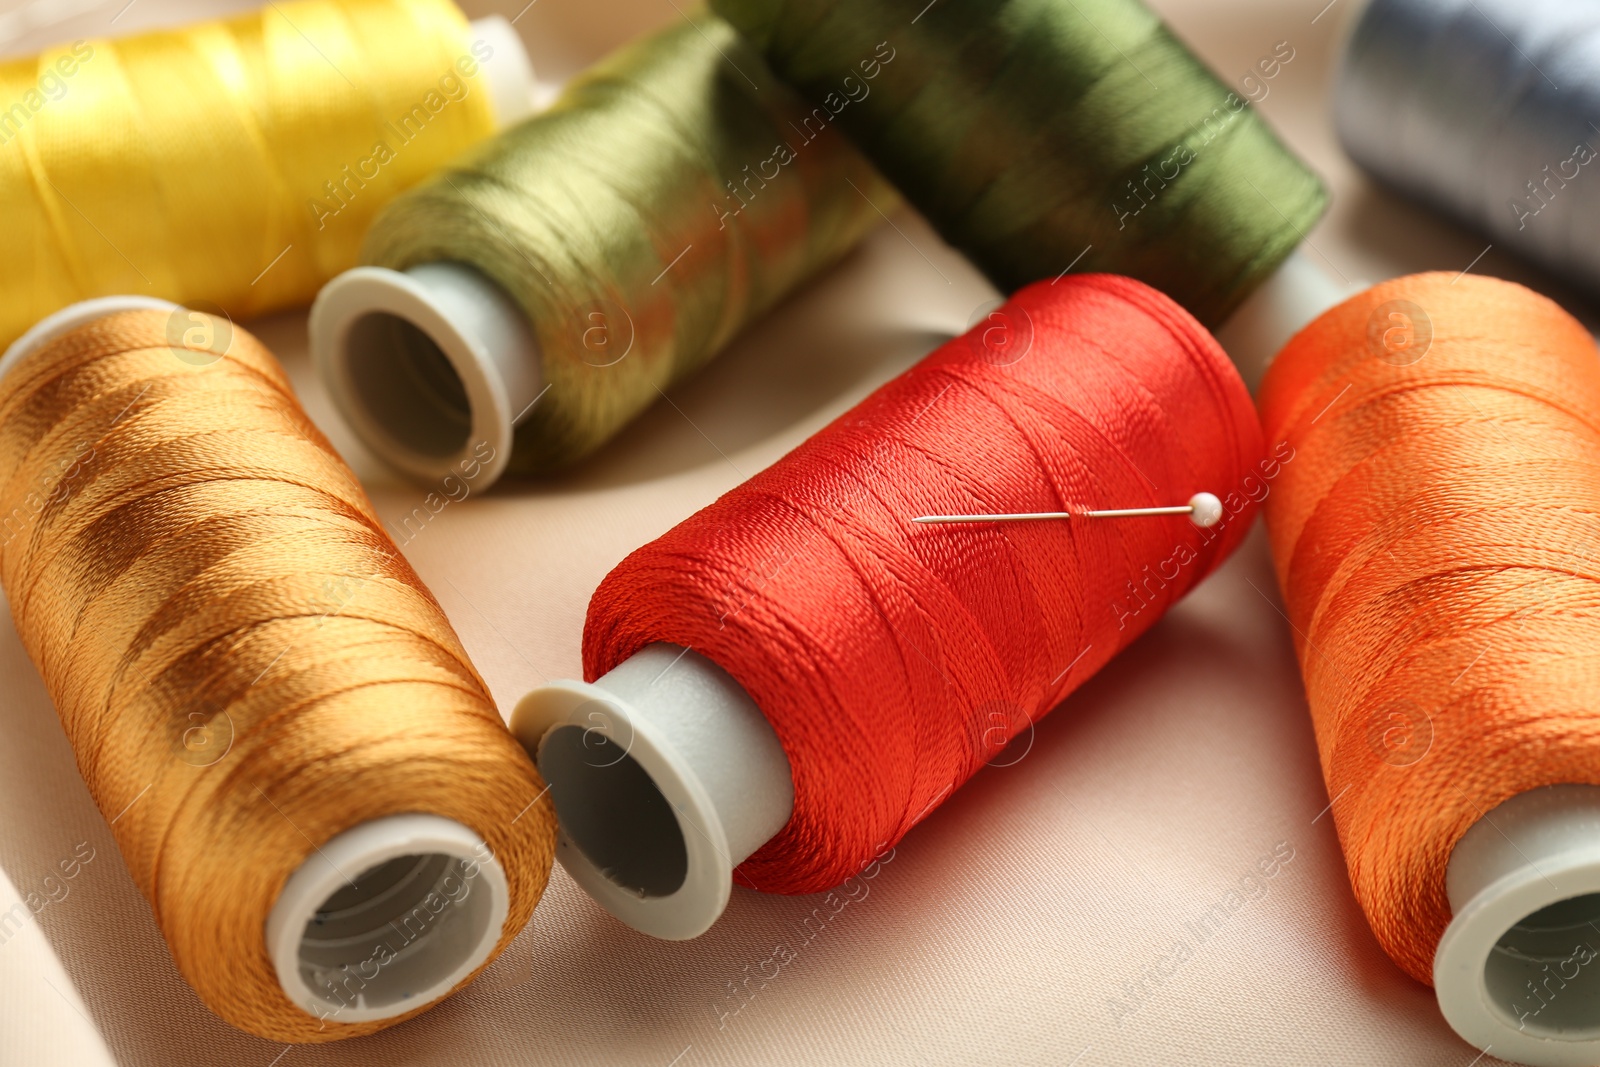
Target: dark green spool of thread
1016,127
582,214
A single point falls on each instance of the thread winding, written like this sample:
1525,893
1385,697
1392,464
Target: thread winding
1483,109
894,659
244,663
1037,136
236,163
1435,541
670,196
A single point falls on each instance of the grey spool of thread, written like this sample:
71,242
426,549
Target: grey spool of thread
1485,109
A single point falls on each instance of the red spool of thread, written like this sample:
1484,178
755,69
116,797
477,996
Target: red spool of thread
891,660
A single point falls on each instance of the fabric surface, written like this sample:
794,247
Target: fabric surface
1072,904
45,1017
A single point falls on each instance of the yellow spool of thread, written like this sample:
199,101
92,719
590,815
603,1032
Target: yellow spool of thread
236,164
304,773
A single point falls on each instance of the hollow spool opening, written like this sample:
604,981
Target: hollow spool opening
397,930
1544,972
407,385
613,812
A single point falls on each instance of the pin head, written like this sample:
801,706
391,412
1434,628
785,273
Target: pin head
1205,510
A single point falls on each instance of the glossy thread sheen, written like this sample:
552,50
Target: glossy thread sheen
1485,110
894,659
668,198
1035,132
234,163
244,663
1437,540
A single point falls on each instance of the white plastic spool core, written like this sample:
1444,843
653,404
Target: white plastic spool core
1294,294
665,777
386,918
513,92
1518,968
389,915
432,367
71,317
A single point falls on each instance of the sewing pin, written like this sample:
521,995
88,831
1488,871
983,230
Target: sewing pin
1203,509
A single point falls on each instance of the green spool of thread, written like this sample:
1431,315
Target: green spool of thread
663,202
1029,130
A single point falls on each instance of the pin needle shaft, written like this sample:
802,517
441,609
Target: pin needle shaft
1203,509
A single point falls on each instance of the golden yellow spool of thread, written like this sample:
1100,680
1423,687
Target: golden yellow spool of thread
304,772
234,163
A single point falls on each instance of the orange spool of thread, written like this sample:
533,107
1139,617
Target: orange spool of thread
305,774
1437,541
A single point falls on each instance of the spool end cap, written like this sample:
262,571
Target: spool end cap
432,366
589,742
1518,968
71,317
386,918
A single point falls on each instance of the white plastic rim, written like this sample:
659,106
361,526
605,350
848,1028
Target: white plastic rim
1294,294
432,367
513,92
73,316
1518,968
665,777
386,918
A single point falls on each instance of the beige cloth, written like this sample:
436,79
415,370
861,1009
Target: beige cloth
1071,909
45,1020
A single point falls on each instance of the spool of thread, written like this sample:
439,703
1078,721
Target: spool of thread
1483,109
792,678
304,773
1039,137
1435,537
548,287
235,163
